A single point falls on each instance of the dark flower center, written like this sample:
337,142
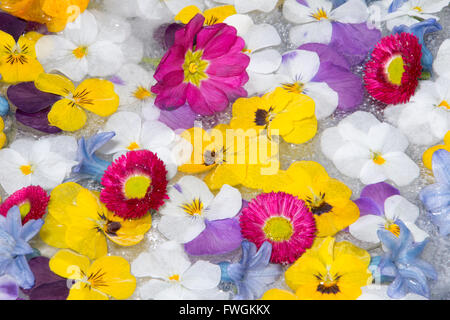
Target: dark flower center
261,117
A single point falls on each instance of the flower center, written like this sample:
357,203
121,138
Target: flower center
133,146
444,104
318,205
278,229
142,94
194,208
95,280
16,54
328,285
395,69
175,277
296,87
320,14
80,52
418,9
136,187
392,227
25,208
378,159
194,67
261,117
26,170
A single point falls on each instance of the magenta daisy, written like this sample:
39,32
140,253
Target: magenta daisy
393,72
205,67
134,184
281,219
32,202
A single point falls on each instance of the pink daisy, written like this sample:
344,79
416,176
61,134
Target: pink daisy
32,202
283,220
205,67
134,184
393,72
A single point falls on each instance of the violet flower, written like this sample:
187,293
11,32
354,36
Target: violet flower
9,289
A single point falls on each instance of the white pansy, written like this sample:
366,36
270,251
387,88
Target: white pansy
440,64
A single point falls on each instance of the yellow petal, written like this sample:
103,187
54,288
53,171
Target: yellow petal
244,112
348,248
86,210
117,280
278,294
325,250
33,36
67,116
447,138
218,14
81,291
304,271
187,13
87,241
131,231
428,154
302,131
60,198
232,175
2,139
53,232
200,141
97,96
69,264
6,40
54,83
339,218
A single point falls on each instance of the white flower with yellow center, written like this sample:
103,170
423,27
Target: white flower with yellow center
362,147
44,162
245,6
174,277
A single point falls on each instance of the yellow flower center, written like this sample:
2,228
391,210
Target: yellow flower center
194,67
320,14
418,9
328,284
246,50
296,87
80,52
193,208
378,159
278,229
16,54
392,227
133,146
141,93
395,69
444,104
175,277
26,170
136,187
25,208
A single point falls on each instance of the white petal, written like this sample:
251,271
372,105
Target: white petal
385,138
296,12
181,150
151,289
127,126
111,27
400,168
151,112
241,22
259,83
366,227
65,146
11,178
166,156
352,11
439,121
318,32
330,141
418,234
181,229
300,65
356,126
325,98
372,173
104,58
156,134
202,275
261,36
176,6
244,6
83,31
226,204
351,158
265,61
194,188
133,48
397,207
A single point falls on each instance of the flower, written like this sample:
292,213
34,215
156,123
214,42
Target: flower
95,95
428,154
3,139
303,72
107,276
253,273
212,16
202,222
344,27
12,25
32,202
280,113
392,74
362,147
440,64
436,197
14,246
79,221
426,118
173,276
401,262
328,271
157,10
9,290
380,205
134,184
4,107
244,6
264,60
281,219
82,49
18,61
131,133
208,75
44,162
328,199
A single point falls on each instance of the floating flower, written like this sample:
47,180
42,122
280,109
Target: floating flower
440,64
264,60
174,277
392,75
373,151
402,262
428,154
290,116
14,239
343,27
245,6
18,61
32,202
208,75
435,197
134,184
328,271
380,206
95,95
194,217
79,221
44,162
327,198
3,139
81,50
9,290
107,276
212,16
281,219
253,273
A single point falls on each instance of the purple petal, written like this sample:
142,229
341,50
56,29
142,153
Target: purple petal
12,25
9,290
354,41
38,120
326,54
180,118
379,192
26,97
368,206
219,237
165,34
42,273
51,291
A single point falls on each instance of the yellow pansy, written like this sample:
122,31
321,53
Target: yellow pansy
95,95
79,221
212,16
292,116
328,271
18,61
327,198
2,134
428,155
105,277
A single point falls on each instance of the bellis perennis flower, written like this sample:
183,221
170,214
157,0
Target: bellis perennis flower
32,202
